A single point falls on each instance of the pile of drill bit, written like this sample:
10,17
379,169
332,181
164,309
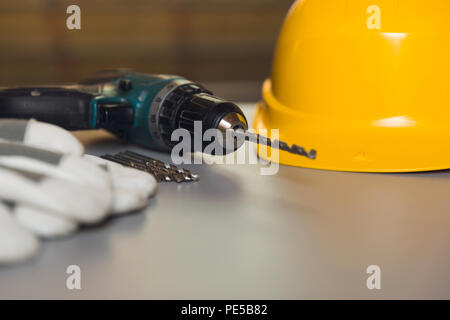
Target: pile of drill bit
162,171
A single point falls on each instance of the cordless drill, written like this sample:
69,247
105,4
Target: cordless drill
142,108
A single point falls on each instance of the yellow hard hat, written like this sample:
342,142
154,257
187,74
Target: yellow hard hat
365,83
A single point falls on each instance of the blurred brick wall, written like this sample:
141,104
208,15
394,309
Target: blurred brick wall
205,40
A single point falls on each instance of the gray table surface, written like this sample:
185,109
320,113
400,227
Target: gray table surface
300,234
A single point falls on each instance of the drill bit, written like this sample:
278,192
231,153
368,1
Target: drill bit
162,171
283,146
235,127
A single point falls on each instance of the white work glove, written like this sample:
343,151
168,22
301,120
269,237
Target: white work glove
51,192
16,243
131,188
41,135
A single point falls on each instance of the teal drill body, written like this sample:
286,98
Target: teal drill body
140,96
142,108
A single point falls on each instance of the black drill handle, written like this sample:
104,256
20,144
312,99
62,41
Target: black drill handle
66,108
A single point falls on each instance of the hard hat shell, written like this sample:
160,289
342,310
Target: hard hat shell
365,83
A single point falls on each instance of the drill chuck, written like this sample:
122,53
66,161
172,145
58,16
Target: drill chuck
188,103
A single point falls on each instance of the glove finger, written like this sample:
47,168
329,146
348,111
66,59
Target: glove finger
16,243
42,223
17,188
87,204
128,178
132,188
127,201
41,135
71,168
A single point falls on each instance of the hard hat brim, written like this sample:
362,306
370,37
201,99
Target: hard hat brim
392,145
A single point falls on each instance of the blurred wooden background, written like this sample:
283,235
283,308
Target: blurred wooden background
226,44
